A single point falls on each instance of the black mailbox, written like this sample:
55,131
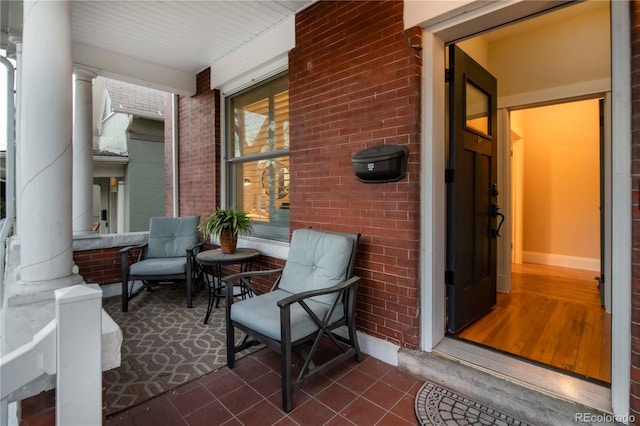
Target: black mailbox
381,163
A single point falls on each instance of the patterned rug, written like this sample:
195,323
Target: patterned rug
165,345
436,405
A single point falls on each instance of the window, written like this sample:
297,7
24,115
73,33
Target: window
258,156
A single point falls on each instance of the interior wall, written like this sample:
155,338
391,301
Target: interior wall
574,51
563,53
561,217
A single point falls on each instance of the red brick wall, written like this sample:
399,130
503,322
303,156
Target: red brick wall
38,410
635,170
199,151
354,83
101,266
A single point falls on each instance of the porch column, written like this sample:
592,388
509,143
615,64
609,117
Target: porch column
120,225
83,153
44,219
18,102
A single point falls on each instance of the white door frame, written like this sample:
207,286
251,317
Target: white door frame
449,27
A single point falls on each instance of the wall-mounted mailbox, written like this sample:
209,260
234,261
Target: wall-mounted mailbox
381,163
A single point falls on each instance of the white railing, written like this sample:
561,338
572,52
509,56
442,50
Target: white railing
70,347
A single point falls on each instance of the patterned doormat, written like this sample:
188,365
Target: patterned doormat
436,405
165,345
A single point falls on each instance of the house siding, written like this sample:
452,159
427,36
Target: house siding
635,223
144,183
354,83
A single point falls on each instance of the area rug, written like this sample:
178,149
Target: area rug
165,345
436,405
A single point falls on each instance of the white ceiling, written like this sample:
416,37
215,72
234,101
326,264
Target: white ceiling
183,35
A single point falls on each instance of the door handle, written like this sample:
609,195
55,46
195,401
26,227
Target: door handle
496,213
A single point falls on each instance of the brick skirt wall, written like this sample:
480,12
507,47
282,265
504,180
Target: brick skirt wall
101,266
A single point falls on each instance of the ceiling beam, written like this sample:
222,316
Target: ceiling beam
131,70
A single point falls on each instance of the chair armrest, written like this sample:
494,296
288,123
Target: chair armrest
249,274
194,249
295,298
127,252
129,248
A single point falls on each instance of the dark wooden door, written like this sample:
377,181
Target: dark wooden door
471,178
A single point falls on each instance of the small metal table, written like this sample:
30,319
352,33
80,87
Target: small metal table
211,263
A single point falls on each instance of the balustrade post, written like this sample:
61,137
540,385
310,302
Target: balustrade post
79,355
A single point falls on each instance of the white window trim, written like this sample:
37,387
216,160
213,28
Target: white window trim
262,57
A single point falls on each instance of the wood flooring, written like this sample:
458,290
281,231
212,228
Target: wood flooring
552,316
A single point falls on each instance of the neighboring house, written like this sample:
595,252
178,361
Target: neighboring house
128,156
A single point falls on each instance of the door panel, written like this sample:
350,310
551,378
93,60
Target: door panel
471,191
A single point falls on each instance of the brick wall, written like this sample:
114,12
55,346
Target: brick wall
635,170
101,266
199,151
354,82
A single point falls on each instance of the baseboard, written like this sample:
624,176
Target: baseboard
380,349
575,262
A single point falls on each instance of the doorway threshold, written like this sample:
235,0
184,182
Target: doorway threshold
527,374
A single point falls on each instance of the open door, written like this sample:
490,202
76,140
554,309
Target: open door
471,177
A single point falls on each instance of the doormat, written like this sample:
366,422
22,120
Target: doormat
436,405
165,345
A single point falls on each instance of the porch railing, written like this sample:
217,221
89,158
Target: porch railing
69,347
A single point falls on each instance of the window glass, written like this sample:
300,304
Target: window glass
259,156
477,108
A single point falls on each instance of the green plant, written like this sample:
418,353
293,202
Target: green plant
236,221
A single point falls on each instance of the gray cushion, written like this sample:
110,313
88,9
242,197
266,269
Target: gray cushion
262,314
160,266
171,236
316,260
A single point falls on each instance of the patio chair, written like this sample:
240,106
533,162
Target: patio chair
312,297
168,257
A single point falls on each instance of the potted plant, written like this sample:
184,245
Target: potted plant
227,224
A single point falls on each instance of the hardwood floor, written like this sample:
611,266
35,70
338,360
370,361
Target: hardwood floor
552,316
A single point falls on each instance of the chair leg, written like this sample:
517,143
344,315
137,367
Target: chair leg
231,342
125,295
286,359
354,341
189,291
125,288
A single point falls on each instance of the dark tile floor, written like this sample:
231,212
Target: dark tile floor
369,393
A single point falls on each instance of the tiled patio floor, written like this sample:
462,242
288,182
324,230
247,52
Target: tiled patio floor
369,393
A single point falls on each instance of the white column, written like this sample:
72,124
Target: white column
18,42
83,153
44,219
120,224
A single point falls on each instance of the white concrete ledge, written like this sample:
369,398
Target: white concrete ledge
102,241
